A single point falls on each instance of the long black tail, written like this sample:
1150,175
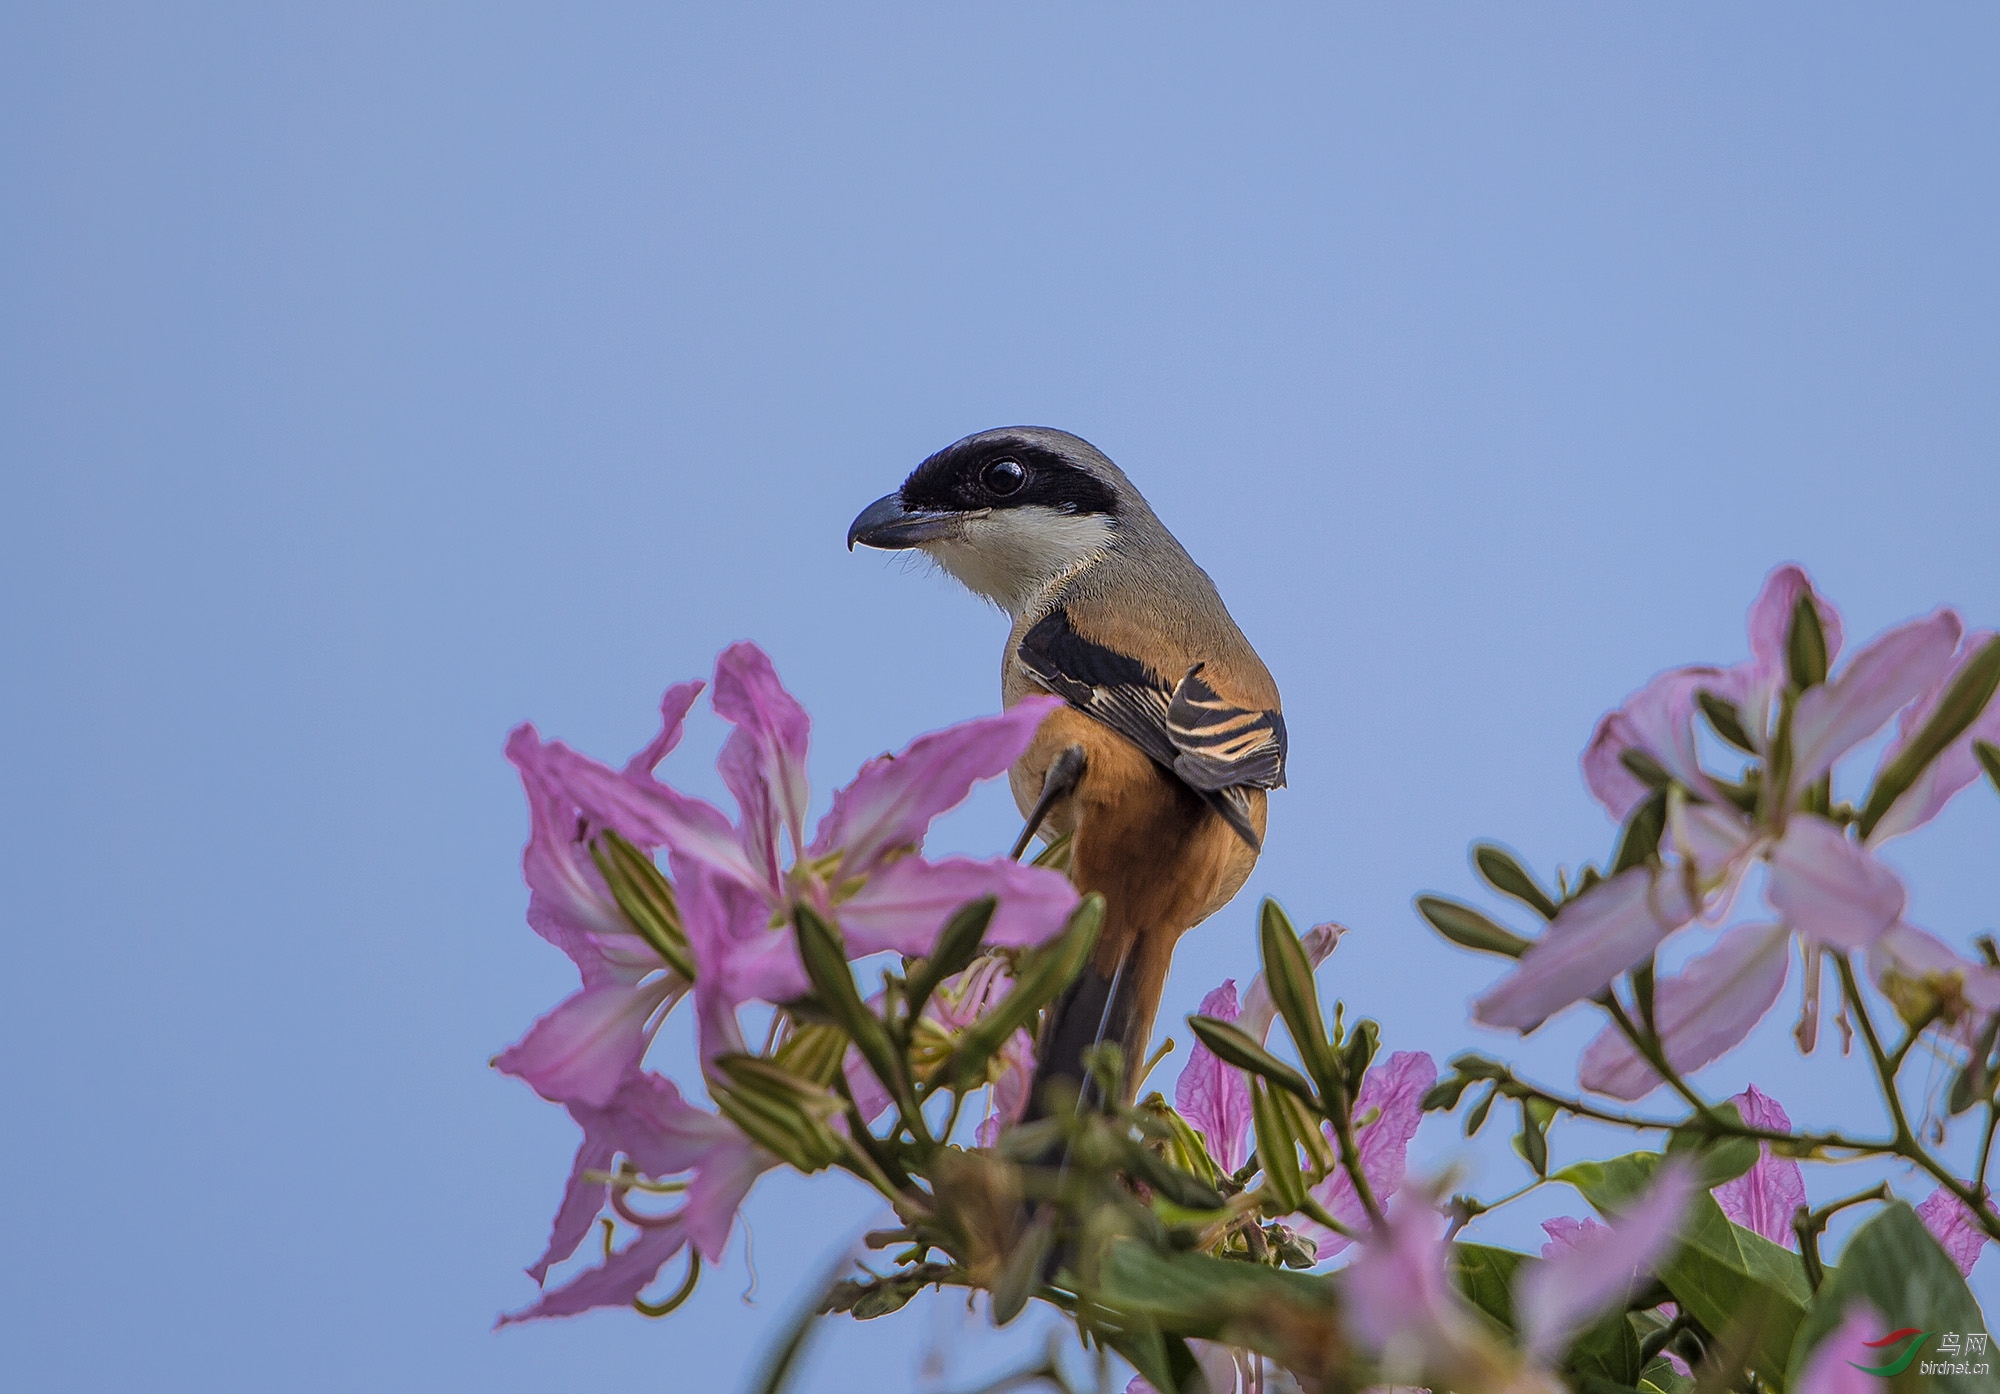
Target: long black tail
1094,1009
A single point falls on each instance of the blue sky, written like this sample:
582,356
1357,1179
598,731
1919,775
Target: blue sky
376,377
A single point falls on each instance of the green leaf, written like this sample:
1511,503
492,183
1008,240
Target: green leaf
1445,1093
957,945
1047,972
1289,977
1469,929
1893,1263
1608,1352
1989,756
1727,721
1720,1156
1805,645
1960,706
1639,842
1506,875
1235,1046
1292,1318
1486,1276
1022,1274
1534,1143
1719,1270
1476,1119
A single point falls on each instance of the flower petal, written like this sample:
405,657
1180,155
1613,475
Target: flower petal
1771,619
892,802
1828,888
1259,1011
1565,1233
583,1050
1765,1198
1888,675
582,1199
1657,721
1560,1296
1840,1364
763,762
616,1281
674,707
1704,1010
1955,767
738,956
905,904
1010,1091
1952,1225
650,814
1212,1096
1909,965
1394,1092
1753,687
1400,1305
568,904
1594,938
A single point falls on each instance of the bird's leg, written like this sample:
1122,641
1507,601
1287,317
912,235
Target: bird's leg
1061,781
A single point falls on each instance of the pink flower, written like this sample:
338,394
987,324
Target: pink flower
588,1046
1954,1228
1840,1363
662,1135
957,1003
1212,1096
1765,1198
1952,770
1702,1011
1917,971
1388,1108
1400,1306
1824,886
1600,1266
862,872
1565,1233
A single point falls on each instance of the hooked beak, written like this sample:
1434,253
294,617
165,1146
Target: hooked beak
885,523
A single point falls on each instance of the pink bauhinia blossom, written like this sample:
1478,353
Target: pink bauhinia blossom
1387,1110
1919,973
1702,1011
1599,1267
662,1136
1765,1198
1840,1363
957,1003
1954,768
585,1048
1212,1096
1953,1226
862,872
1824,886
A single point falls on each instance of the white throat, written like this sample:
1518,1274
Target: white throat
1012,555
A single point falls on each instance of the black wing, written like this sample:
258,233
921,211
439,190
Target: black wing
1216,749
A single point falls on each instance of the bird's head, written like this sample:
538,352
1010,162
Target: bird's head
1007,512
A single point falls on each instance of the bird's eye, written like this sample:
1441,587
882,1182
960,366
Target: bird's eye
1003,477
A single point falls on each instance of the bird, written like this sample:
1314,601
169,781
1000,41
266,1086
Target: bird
1158,765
